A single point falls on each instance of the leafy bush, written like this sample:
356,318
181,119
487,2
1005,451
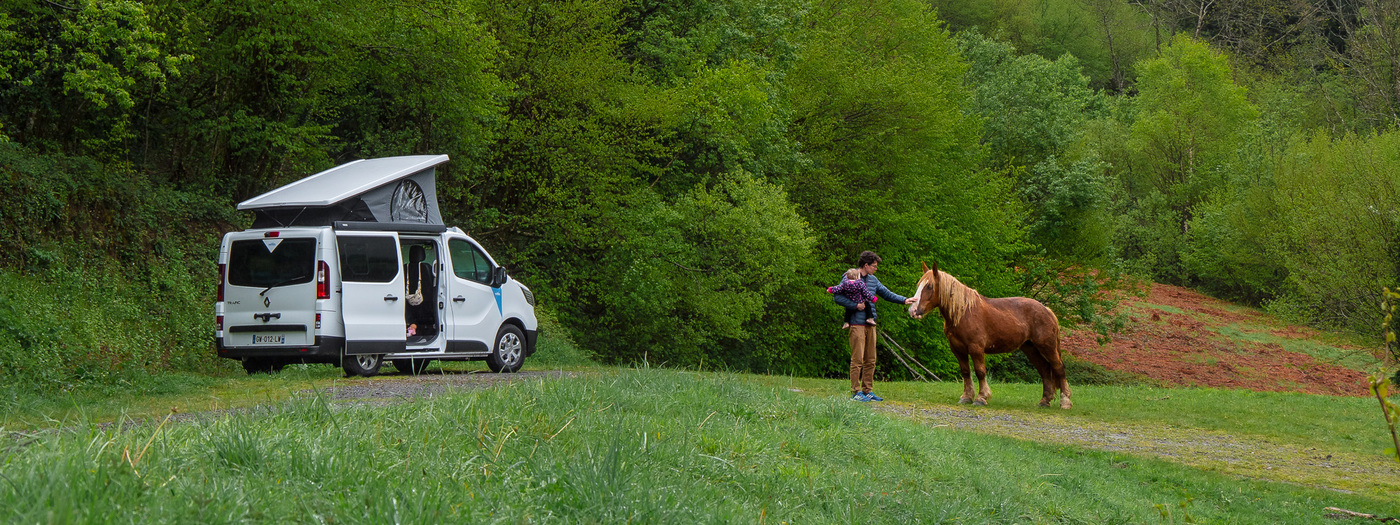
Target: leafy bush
1338,228
104,276
555,347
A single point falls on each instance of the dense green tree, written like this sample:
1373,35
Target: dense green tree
278,90
633,158
1371,61
73,74
1031,107
1106,36
424,80
878,101
1233,234
691,276
1032,112
1190,115
1338,228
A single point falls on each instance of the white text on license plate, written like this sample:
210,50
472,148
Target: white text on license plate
269,339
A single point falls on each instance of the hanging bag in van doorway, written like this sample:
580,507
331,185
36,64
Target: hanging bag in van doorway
416,298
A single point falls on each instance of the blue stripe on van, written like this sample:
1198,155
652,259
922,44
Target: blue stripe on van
497,292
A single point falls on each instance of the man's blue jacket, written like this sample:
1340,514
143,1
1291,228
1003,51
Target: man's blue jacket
858,317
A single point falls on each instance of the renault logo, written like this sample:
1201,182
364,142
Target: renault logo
267,302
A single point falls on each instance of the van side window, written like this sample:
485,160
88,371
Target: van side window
468,262
368,259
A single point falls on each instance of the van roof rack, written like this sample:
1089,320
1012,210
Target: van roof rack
416,227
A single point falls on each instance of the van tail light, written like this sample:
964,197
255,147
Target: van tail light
219,294
318,321
218,323
323,280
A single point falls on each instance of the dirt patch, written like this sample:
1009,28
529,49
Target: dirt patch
1245,456
1182,347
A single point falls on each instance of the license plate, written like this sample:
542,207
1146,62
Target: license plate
269,339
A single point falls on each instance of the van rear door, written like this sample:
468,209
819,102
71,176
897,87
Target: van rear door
372,292
270,300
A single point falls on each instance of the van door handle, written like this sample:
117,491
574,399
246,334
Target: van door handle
459,299
390,297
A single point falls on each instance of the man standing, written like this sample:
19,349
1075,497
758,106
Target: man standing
861,317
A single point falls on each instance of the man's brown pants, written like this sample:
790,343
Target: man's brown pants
862,358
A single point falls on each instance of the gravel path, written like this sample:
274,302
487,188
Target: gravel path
1243,456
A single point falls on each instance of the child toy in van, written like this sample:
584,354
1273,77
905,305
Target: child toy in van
853,287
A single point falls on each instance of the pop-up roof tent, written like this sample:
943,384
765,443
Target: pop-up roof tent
385,190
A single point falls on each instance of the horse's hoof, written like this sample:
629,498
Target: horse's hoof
1045,404
964,401
980,403
1066,404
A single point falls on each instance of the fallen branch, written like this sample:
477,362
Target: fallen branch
906,365
911,358
1352,514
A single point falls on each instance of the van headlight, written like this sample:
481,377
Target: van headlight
529,296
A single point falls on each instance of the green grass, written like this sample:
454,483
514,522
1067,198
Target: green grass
1336,423
154,396
630,446
136,394
1353,358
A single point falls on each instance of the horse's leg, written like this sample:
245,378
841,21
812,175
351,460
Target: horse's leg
979,362
966,375
1047,377
1065,403
1057,367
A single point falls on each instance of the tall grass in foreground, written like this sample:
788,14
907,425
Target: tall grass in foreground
634,446
222,385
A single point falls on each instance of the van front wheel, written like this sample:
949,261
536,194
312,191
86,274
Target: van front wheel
363,365
509,351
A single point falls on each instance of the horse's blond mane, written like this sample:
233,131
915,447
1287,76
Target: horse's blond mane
954,297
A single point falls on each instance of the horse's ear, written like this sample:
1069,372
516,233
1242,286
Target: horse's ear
935,266
925,266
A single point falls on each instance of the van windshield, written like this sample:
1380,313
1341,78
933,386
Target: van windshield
271,262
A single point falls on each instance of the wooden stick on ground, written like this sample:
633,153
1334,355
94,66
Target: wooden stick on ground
1353,514
911,357
906,365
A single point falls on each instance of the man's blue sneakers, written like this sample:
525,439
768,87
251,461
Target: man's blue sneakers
860,396
870,396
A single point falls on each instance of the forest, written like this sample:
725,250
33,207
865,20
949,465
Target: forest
679,181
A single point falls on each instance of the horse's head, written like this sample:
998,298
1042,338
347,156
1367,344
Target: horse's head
925,293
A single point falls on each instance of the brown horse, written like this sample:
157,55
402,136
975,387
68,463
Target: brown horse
977,326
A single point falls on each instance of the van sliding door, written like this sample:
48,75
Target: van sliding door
372,293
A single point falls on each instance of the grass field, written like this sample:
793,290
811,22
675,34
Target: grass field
1343,423
643,445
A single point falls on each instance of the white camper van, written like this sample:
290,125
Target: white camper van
354,266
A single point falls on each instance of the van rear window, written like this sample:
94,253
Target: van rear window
368,259
271,262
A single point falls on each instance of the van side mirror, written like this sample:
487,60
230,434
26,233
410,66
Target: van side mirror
498,276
